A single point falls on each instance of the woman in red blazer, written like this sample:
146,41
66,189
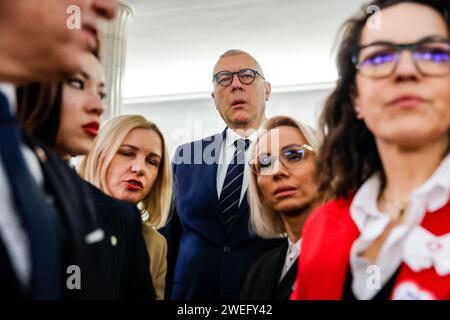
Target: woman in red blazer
385,161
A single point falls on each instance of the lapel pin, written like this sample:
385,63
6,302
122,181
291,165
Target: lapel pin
95,236
40,153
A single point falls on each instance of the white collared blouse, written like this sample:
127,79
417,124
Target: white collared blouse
429,197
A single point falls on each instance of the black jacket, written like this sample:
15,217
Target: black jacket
263,279
107,271
76,220
125,254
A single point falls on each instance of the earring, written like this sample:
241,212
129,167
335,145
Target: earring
358,113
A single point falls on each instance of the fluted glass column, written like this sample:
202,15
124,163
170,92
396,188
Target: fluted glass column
113,56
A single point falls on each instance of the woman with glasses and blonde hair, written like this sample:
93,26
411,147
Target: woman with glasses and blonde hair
282,194
385,161
129,161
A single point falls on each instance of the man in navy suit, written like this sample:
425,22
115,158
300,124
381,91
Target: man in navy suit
210,247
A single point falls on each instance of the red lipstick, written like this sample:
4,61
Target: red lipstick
134,184
91,128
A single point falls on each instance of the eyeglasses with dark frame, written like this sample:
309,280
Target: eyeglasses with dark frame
431,57
291,156
245,76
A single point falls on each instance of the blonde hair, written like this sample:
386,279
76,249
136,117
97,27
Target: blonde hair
264,221
94,166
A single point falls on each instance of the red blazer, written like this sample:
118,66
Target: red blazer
328,236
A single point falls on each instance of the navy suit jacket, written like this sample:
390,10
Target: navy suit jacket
206,259
76,217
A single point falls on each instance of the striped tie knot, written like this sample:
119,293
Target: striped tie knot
241,146
240,143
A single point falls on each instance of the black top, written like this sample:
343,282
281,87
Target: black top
263,279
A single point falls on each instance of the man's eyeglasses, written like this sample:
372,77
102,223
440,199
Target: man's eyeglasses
290,157
379,60
246,76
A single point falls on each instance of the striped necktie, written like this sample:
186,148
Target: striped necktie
232,186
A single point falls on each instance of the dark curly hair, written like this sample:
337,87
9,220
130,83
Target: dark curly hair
349,155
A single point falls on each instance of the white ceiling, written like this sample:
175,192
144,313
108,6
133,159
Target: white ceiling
173,44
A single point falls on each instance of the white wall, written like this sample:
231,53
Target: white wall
183,119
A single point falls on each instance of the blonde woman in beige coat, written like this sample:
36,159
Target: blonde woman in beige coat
129,161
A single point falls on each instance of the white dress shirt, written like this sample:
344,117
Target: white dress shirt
12,232
291,255
431,196
226,155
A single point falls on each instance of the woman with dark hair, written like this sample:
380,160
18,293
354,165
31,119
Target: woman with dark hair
40,105
39,110
385,162
65,116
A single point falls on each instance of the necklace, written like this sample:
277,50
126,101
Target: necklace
400,205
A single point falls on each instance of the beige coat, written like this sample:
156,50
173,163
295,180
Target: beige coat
157,251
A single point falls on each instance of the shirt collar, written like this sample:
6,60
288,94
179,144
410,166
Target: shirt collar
294,246
365,201
436,189
9,91
232,136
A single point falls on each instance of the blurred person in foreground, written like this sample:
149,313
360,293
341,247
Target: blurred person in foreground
41,234
385,161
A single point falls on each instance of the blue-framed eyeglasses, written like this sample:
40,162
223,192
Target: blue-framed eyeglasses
380,59
290,157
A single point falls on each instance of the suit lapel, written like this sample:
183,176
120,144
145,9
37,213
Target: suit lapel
329,251
216,146
59,183
273,271
10,284
53,181
339,244
56,181
286,284
103,205
77,220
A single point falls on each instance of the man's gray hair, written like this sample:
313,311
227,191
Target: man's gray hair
238,52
